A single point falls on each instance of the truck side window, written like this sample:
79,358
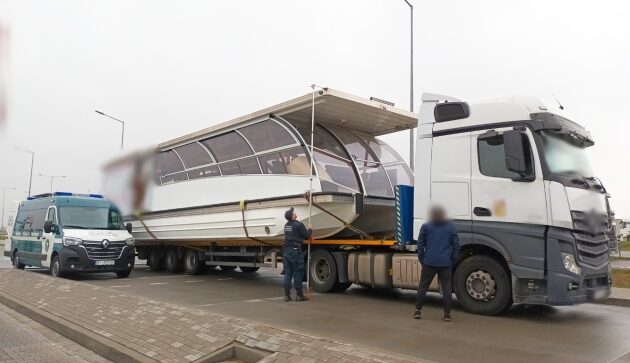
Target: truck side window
492,158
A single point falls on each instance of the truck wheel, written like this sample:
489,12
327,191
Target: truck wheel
16,262
154,261
172,261
323,271
248,269
123,274
227,268
55,267
193,265
482,285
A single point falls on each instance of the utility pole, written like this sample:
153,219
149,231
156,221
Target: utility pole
30,180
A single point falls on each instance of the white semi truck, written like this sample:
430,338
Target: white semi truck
511,172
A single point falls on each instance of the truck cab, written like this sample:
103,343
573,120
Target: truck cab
530,212
71,233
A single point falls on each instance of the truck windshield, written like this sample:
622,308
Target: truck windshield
90,218
564,157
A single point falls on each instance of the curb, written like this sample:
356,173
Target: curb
616,302
97,343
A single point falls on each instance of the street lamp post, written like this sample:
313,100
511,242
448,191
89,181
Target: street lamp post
30,180
4,195
52,177
411,138
122,138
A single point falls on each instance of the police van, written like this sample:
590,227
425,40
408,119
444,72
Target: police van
71,233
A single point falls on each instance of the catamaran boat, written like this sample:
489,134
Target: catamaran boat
235,180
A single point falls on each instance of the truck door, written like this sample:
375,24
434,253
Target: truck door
509,210
48,239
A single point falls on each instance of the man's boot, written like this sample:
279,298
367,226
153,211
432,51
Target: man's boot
287,298
301,297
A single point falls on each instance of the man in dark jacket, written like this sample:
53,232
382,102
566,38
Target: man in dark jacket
438,247
292,256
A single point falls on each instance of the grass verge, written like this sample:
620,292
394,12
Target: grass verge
624,245
621,278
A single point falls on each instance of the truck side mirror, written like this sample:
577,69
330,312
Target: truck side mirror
514,145
49,227
128,226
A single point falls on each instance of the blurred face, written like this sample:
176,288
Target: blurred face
294,216
437,214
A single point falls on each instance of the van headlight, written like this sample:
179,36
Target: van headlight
71,241
568,260
130,241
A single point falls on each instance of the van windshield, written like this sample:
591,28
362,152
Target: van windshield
90,218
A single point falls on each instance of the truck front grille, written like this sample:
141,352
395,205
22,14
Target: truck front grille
96,251
590,230
592,250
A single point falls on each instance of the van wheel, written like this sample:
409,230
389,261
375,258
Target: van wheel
482,285
16,262
123,274
193,265
55,267
323,271
227,268
154,261
172,261
248,269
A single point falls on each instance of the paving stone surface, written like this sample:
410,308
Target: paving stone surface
172,333
25,340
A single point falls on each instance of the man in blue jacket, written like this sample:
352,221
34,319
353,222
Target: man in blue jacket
292,256
438,247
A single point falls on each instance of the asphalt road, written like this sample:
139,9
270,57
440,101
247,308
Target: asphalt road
381,319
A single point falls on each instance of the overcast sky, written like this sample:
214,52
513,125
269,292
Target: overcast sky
172,67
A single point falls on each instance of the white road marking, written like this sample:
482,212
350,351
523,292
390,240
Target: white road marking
252,301
158,283
191,281
226,278
113,287
275,298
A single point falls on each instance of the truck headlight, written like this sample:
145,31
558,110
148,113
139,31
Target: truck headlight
71,241
130,241
568,260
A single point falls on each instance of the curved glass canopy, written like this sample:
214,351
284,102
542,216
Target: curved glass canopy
345,161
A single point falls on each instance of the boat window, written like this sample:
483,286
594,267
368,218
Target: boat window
205,172
323,139
399,174
370,169
267,135
245,166
272,164
167,162
296,161
398,171
228,146
193,155
334,173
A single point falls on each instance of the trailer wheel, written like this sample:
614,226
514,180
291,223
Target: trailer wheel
482,285
154,261
193,265
248,269
323,271
227,268
172,262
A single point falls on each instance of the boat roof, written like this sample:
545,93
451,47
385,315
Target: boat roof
332,107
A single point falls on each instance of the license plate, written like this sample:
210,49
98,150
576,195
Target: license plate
104,262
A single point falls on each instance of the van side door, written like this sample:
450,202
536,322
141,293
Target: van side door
48,239
509,210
